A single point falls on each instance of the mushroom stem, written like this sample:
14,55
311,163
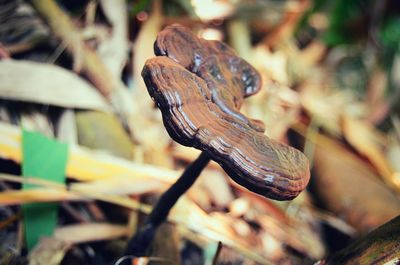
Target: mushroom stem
138,245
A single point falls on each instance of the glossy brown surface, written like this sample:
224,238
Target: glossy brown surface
199,87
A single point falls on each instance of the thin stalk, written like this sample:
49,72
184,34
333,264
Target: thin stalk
139,244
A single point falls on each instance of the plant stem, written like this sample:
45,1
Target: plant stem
139,244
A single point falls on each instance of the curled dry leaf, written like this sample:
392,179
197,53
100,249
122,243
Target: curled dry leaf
199,87
338,173
370,143
47,84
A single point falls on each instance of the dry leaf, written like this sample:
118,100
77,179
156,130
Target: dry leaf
35,195
375,98
49,251
34,120
240,38
47,84
50,191
86,165
145,116
185,213
114,51
66,127
277,105
120,185
89,62
310,55
103,131
370,143
208,10
326,106
284,30
393,154
89,232
271,65
188,154
344,182
218,189
291,236
190,215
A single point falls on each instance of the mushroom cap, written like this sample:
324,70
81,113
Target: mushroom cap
199,87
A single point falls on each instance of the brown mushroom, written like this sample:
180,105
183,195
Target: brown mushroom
199,86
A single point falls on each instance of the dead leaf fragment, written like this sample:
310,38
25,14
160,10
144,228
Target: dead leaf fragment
114,51
90,232
49,251
47,84
344,182
370,143
98,130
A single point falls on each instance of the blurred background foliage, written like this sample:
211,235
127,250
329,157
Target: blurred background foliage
331,72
